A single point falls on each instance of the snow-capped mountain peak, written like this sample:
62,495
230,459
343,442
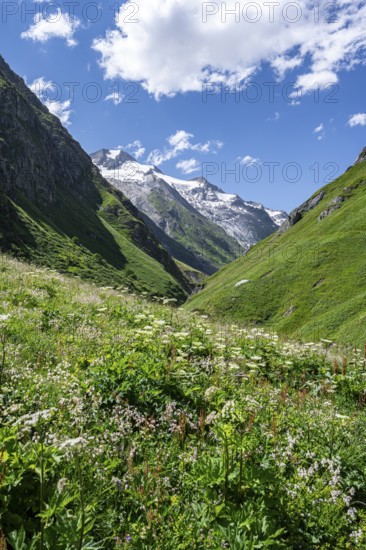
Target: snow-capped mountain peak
246,221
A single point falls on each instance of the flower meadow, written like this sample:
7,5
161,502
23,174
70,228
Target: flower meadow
129,423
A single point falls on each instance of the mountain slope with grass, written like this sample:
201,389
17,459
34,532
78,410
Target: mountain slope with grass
308,280
57,209
126,424
186,233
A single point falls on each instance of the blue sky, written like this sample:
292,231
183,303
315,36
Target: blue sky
267,102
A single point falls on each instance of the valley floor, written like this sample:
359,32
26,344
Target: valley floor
131,424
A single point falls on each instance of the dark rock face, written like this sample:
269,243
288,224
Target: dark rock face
296,215
328,212
41,163
361,157
334,205
101,158
37,153
355,186
337,200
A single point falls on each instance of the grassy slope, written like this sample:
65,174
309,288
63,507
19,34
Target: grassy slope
128,425
103,255
196,277
309,282
193,239
78,234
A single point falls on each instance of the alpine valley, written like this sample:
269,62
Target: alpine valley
180,368
308,280
198,223
58,211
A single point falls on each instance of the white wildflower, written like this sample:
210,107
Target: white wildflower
210,392
62,485
32,419
117,483
233,366
228,408
72,443
211,418
356,535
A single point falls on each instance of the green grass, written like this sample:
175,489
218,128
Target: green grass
128,424
193,239
308,282
85,244
57,210
196,277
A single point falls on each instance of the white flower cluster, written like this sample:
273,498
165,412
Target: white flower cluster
228,410
357,536
4,318
72,443
30,420
210,392
211,418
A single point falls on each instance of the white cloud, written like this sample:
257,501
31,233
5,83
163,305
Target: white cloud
275,117
248,160
55,25
180,142
320,131
115,97
188,166
136,149
61,109
357,120
170,49
314,82
283,63
43,90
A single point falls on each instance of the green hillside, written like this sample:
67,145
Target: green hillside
193,239
188,236
308,281
126,424
57,210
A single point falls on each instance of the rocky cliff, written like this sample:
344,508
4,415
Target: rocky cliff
57,209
